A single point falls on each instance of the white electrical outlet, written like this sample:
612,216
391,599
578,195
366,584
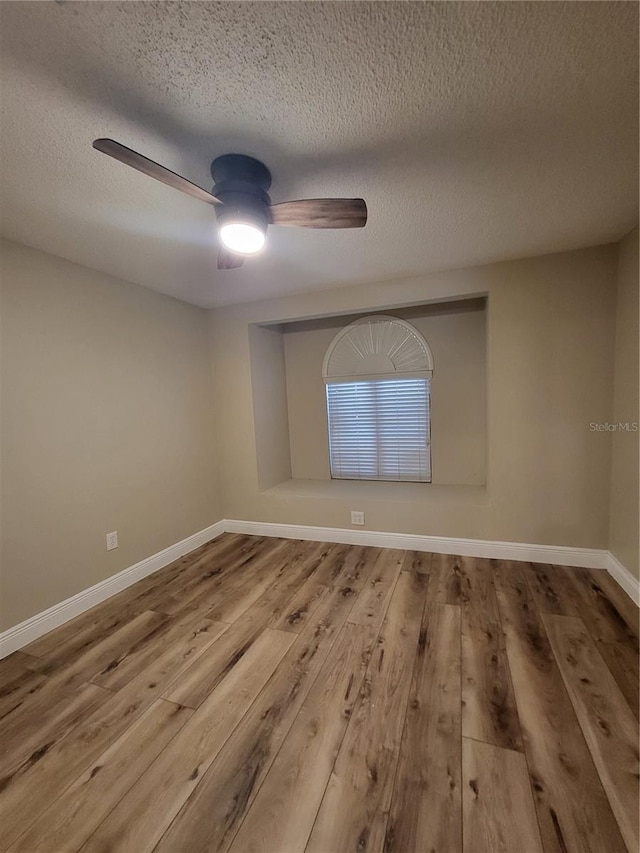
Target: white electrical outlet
357,517
112,540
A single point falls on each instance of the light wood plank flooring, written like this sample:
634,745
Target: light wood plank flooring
280,696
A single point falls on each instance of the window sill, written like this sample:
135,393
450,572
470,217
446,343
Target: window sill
427,493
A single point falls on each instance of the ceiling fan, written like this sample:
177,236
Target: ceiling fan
243,207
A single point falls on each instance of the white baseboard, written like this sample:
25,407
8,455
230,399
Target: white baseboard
629,583
29,630
590,558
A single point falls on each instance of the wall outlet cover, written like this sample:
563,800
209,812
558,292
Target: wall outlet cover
112,540
357,517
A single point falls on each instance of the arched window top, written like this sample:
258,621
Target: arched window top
378,347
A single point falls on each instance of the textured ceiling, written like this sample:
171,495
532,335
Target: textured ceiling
475,132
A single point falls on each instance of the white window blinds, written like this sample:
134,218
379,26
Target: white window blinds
379,429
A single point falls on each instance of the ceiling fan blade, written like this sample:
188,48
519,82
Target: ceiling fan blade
229,260
154,170
321,213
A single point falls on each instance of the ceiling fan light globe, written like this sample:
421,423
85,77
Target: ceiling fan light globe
242,237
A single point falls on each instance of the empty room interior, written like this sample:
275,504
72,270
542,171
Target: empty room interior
319,382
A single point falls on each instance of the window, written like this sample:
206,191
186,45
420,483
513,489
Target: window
379,430
377,373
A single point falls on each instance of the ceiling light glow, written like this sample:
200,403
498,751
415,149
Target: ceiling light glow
243,238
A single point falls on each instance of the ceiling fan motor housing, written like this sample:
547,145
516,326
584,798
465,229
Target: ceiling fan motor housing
241,184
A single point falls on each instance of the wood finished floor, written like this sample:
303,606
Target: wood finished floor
281,696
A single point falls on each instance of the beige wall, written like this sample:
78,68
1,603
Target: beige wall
270,420
108,421
623,525
456,334
107,424
549,372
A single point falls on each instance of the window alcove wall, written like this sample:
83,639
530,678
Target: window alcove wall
289,398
